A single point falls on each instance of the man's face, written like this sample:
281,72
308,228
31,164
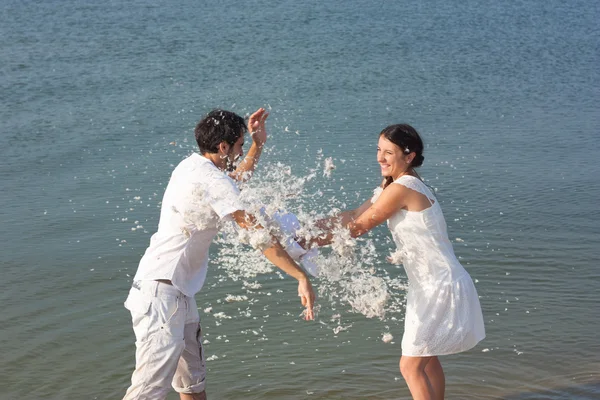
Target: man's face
235,152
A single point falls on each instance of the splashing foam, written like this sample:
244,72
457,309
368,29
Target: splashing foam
329,166
387,337
350,270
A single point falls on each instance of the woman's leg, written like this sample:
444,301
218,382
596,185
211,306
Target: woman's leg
413,371
436,377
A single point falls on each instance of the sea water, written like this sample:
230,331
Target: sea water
98,104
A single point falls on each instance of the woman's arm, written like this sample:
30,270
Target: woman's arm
364,218
343,218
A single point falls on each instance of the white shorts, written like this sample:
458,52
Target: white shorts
168,342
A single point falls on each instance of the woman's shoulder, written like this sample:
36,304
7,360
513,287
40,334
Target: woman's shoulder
414,183
409,181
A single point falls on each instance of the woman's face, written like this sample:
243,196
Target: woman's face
391,158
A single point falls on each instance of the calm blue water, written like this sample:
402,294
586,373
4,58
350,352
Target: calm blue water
506,97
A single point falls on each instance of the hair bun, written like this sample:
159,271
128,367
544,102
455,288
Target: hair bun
417,161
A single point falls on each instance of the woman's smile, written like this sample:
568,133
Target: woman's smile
391,158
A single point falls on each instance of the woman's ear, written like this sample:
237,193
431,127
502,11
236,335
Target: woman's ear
411,156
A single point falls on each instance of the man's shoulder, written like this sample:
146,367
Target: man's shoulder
200,170
194,160
194,164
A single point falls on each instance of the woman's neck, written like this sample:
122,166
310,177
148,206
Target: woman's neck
409,171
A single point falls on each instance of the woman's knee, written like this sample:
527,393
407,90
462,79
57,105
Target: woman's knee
408,367
433,366
412,366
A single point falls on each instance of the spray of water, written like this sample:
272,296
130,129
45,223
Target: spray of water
353,274
350,273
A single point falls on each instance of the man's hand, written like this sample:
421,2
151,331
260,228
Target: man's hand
256,127
307,298
277,255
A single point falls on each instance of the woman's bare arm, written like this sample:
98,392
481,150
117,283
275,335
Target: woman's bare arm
366,217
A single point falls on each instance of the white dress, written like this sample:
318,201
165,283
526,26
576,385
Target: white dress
443,314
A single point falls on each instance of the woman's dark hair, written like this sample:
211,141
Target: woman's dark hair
216,127
407,138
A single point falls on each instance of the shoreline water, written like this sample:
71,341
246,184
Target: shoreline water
504,96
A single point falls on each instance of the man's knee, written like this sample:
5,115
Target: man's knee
156,364
200,396
190,377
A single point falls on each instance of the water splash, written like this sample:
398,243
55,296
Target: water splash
350,271
353,276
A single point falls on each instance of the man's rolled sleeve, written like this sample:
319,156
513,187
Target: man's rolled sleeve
224,197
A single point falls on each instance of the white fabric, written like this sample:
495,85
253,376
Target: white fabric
197,197
168,342
443,314
289,225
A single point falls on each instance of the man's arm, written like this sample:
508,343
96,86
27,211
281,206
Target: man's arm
258,132
276,254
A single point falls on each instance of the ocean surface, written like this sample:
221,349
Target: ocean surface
98,101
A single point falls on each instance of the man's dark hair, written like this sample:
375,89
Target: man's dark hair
216,127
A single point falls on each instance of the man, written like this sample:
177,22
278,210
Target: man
198,197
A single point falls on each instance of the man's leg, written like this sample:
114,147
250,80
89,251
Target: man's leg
193,396
159,343
190,377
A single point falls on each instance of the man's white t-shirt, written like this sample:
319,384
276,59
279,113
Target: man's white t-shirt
197,197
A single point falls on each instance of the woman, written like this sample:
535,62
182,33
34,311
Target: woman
443,315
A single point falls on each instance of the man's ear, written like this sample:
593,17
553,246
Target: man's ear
224,148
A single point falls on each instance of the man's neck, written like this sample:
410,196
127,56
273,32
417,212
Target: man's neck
216,159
